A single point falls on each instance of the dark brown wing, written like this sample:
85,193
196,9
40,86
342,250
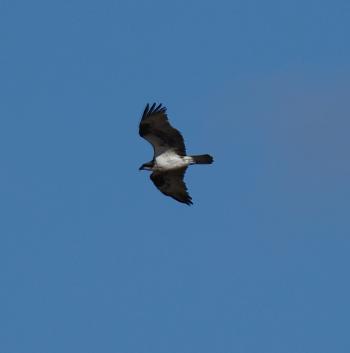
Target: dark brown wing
156,129
171,183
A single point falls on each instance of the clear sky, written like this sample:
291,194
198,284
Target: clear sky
93,258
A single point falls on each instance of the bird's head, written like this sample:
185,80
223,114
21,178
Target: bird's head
146,166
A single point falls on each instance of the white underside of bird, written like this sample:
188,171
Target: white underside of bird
171,160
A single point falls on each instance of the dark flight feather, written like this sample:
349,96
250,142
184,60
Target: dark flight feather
156,129
171,183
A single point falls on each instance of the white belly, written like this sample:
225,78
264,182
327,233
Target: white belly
170,160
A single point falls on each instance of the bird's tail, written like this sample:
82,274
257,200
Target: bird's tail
202,159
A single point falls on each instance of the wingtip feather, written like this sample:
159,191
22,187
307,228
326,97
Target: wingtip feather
154,108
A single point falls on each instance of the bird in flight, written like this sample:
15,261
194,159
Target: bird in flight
169,161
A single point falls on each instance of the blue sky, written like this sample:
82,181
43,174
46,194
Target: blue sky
93,258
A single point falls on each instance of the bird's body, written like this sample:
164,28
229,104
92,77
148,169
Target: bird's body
170,161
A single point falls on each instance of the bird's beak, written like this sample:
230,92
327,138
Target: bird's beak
141,168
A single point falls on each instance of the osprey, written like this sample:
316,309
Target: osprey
169,161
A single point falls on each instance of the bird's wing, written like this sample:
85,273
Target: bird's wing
171,183
156,129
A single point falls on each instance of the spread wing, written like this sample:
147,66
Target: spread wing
156,129
171,183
